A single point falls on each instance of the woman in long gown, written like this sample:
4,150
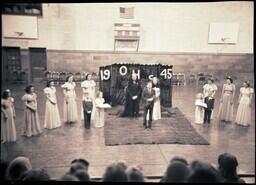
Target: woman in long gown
32,123
157,105
52,116
99,112
8,129
244,111
88,87
70,114
227,101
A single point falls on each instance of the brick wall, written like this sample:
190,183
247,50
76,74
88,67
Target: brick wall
221,65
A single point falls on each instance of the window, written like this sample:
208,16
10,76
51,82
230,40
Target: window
134,33
119,33
22,9
127,36
126,13
126,33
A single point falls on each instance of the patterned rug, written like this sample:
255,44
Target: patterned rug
173,128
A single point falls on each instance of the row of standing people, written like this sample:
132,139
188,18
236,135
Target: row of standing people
52,120
205,103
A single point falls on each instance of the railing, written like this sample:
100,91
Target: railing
248,177
158,178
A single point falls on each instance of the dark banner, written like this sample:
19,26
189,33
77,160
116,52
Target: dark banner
114,79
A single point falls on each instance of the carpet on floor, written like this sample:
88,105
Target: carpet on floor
173,128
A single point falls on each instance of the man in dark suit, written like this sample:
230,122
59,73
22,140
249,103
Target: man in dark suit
87,108
133,96
148,96
208,111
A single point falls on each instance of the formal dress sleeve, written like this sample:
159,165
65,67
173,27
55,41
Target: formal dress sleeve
241,90
251,91
205,86
64,86
11,99
93,83
46,91
215,87
24,97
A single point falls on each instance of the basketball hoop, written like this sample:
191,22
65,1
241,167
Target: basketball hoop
221,46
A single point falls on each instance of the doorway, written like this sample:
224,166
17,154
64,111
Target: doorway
11,63
37,63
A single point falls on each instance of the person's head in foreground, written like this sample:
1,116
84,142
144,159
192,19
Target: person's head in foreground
177,171
79,164
82,175
201,172
69,177
134,174
115,173
35,175
228,168
180,159
123,164
17,167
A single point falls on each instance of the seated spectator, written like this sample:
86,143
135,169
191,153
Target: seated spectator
180,159
79,164
82,175
203,173
174,159
69,177
17,167
115,173
135,175
228,168
35,175
176,172
3,168
122,164
196,165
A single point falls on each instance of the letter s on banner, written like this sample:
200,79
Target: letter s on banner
123,70
104,74
150,77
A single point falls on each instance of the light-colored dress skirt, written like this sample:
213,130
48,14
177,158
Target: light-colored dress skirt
52,116
199,115
99,117
70,113
8,130
156,110
244,112
226,108
32,123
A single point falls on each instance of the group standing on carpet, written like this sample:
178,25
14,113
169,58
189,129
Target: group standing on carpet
93,111
205,103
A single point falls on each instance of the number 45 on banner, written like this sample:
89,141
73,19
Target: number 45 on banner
166,73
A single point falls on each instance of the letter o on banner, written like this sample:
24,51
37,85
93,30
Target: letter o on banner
123,70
